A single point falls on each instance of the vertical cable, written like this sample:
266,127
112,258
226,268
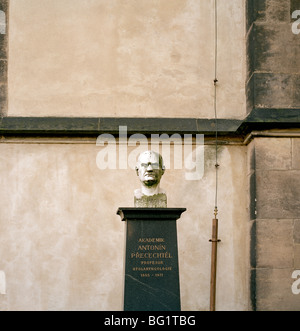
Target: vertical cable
215,105
214,240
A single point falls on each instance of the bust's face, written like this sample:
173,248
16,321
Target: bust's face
149,169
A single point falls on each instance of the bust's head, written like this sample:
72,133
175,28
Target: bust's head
150,168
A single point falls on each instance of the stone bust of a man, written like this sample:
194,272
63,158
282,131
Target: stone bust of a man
150,168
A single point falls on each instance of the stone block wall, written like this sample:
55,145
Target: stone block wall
275,205
3,56
273,76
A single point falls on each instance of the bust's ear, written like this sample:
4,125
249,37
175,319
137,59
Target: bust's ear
163,169
137,170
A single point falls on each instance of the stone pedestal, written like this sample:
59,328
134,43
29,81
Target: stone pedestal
151,262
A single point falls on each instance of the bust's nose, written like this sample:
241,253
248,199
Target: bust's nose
149,167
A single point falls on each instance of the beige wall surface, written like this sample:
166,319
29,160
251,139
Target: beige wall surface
62,244
125,58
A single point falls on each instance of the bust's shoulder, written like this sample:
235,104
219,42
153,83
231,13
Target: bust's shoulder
138,193
161,191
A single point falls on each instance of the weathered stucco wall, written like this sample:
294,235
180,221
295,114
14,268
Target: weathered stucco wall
62,243
125,58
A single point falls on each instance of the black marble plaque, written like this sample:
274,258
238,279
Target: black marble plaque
151,262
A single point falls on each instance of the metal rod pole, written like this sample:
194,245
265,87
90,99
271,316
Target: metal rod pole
213,275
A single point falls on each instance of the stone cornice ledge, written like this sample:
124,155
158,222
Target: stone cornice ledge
258,119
